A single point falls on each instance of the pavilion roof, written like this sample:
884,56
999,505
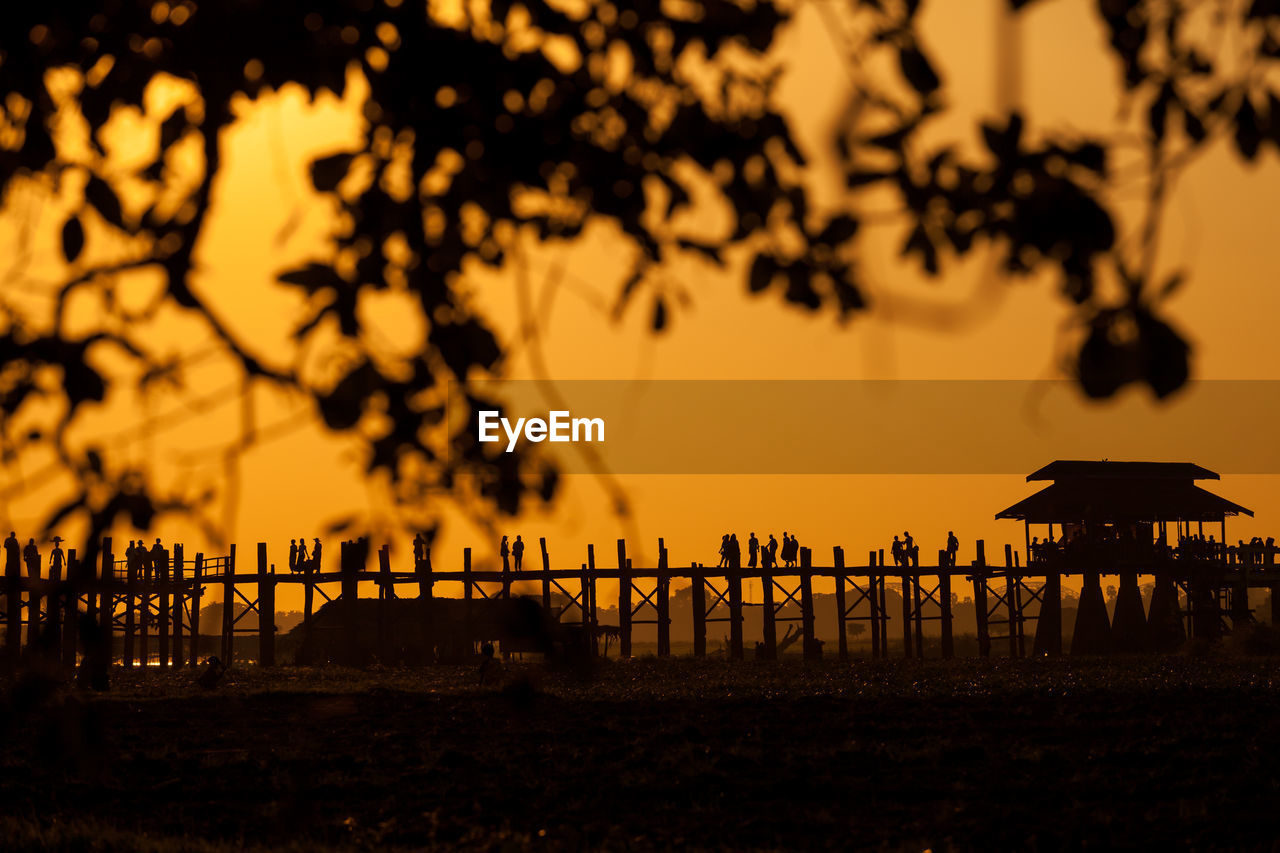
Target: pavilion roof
1071,469
1122,500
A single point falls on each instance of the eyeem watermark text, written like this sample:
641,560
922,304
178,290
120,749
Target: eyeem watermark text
559,426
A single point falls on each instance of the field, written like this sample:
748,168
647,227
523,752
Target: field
654,754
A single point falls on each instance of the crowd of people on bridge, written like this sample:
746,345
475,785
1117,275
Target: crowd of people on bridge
300,560
764,555
16,556
905,551
1120,543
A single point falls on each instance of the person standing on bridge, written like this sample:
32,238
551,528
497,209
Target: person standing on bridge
158,557
31,556
12,553
735,552
56,558
293,555
517,552
302,553
753,550
773,551
315,554
504,550
953,548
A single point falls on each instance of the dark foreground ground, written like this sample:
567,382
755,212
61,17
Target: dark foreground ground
1176,751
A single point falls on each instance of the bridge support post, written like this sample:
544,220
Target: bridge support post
944,603
699,611
842,641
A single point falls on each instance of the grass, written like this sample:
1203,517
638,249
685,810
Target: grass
655,753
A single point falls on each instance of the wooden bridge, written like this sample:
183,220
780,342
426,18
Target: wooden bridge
1017,605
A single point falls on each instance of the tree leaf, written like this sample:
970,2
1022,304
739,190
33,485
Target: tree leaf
659,314
763,269
328,172
99,194
72,238
918,71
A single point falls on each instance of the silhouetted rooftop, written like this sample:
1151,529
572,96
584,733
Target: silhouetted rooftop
1146,499
1070,469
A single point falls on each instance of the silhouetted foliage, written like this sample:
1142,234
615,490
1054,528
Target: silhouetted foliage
545,117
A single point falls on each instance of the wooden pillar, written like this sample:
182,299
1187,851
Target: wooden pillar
699,601
71,609
980,598
586,590
918,607
873,599
663,593
53,617
734,580
546,575
944,600
386,591
624,602
906,616
162,606
426,599
179,596
769,614
506,577
146,590
467,607
106,601
228,609
884,606
842,643
812,651
1049,624
1092,634
12,612
1011,602
197,581
130,610
1129,622
350,608
266,610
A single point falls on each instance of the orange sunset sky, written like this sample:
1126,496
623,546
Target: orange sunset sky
969,324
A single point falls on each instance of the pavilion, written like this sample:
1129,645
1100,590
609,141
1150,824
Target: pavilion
1114,516
1097,499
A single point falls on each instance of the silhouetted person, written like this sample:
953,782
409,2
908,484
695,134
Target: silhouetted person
56,558
12,554
157,555
505,551
212,673
910,550
419,548
735,552
517,552
896,550
490,668
315,554
724,552
790,549
773,551
953,548
302,554
293,555
753,550
31,556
